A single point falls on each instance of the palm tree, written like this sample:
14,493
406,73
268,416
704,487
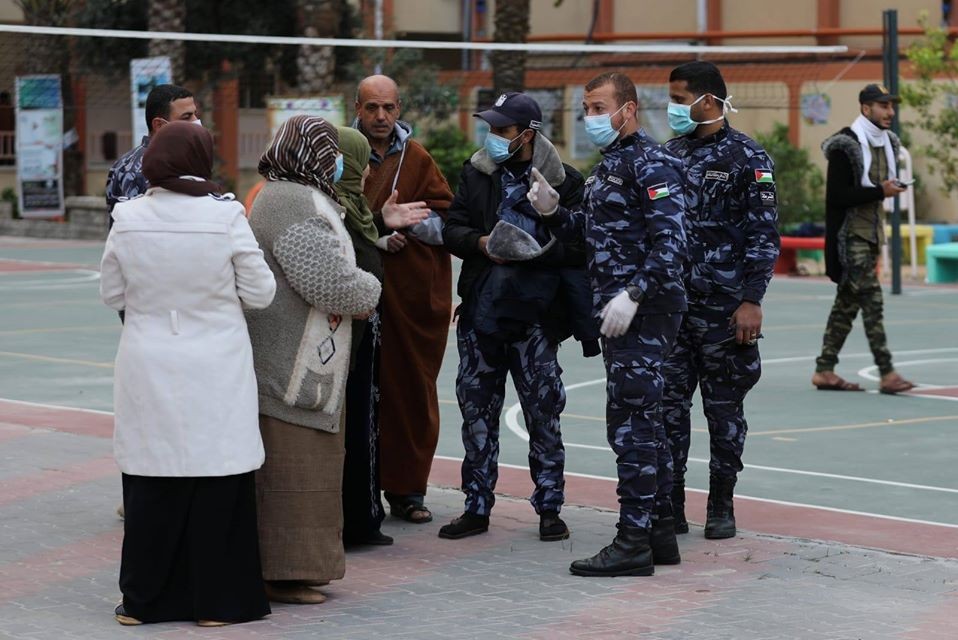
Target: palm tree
168,15
511,25
317,65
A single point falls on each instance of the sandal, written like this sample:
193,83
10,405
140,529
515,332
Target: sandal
836,383
897,386
406,510
127,621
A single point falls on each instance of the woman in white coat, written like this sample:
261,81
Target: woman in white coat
182,262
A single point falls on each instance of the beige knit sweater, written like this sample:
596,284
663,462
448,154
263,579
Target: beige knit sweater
301,342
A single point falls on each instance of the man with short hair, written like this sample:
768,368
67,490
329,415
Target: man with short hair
862,172
416,301
513,317
165,103
733,244
631,219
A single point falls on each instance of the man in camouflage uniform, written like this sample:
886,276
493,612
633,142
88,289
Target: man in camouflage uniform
632,219
733,245
165,103
854,233
507,321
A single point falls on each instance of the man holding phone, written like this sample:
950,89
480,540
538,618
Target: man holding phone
862,172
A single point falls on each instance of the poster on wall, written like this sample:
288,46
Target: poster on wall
330,108
39,146
816,107
146,73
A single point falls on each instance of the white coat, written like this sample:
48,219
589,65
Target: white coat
185,397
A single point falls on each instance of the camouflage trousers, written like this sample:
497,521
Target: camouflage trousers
481,391
724,372
634,428
859,289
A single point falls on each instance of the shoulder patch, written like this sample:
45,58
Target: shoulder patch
764,176
616,180
717,175
659,191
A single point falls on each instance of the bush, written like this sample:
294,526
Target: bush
449,147
798,182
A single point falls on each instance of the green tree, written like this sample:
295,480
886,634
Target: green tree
798,182
933,96
449,147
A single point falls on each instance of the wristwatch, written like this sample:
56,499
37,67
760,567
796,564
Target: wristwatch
635,294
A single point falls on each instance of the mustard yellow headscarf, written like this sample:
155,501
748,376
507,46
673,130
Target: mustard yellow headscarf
355,149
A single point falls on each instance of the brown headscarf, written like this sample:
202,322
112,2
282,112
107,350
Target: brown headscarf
180,158
304,151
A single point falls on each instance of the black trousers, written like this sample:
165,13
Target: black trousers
190,549
363,511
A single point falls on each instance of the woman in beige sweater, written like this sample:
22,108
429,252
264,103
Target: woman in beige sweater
301,350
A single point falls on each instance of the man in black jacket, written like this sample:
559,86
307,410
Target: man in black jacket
513,281
862,172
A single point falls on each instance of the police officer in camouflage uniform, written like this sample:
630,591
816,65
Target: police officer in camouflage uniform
632,219
733,245
854,233
508,322
165,103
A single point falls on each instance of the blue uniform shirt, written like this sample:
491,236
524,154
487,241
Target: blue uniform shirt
125,179
632,219
731,218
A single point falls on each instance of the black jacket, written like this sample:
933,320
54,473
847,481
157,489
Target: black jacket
474,212
844,191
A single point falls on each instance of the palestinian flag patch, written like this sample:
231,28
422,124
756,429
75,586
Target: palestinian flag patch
659,191
764,176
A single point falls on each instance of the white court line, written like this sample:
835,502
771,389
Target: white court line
512,422
785,503
84,276
869,374
56,406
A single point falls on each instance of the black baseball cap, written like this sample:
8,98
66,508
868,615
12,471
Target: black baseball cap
513,108
876,93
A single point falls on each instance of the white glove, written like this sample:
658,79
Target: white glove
617,315
543,197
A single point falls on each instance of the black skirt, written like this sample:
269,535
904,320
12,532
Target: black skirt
190,549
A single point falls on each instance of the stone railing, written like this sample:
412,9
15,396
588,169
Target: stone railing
86,219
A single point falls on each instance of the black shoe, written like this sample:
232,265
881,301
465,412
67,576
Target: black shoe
720,517
552,527
628,555
678,506
376,538
468,524
665,548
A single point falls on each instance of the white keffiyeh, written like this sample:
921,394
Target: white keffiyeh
870,135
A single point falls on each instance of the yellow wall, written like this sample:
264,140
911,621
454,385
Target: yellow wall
868,13
10,12
443,16
650,16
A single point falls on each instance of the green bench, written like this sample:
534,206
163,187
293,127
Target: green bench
942,262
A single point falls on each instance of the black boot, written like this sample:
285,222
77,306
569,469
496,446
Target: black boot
720,517
628,555
665,548
468,524
552,527
678,505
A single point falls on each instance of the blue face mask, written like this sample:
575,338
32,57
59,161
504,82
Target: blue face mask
599,131
680,115
498,147
338,175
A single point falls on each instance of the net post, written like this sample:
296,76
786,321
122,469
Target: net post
890,57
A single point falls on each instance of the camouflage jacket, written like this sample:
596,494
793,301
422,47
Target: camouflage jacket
731,214
632,219
125,179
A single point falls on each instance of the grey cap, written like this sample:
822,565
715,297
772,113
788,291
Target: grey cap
509,242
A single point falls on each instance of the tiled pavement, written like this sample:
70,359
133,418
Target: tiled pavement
59,548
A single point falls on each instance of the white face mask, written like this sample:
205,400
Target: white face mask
198,122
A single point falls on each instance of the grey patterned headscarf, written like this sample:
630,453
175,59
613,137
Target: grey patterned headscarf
303,151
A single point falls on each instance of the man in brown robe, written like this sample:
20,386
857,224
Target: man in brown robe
416,301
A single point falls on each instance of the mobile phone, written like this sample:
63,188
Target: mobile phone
904,183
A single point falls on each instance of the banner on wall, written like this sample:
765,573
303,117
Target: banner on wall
39,105
146,73
330,108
